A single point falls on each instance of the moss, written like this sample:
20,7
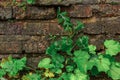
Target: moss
114,3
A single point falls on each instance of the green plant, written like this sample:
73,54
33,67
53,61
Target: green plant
22,3
77,60
11,66
30,1
69,59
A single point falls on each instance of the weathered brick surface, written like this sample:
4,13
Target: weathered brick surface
98,41
10,47
32,12
36,44
69,2
112,26
106,10
100,25
79,11
112,1
57,2
5,13
30,28
94,28
11,28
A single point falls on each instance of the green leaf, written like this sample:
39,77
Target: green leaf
69,68
64,20
45,63
81,59
114,71
77,75
80,76
30,1
102,63
65,45
2,73
91,63
94,71
82,42
79,26
13,66
113,47
92,49
31,76
57,61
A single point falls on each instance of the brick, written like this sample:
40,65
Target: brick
13,55
57,2
10,47
32,12
33,61
79,11
43,44
10,28
100,25
5,13
90,1
35,44
30,47
113,1
56,29
106,10
11,38
97,40
93,28
112,26
91,25
30,28
36,28
42,28
13,28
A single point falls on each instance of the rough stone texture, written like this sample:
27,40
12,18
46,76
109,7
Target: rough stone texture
30,28
93,28
98,41
11,28
112,27
35,44
91,1
57,2
10,47
5,13
79,11
32,12
112,1
106,10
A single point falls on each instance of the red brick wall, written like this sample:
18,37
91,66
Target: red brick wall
27,31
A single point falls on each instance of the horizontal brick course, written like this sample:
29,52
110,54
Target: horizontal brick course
5,13
32,12
79,11
106,10
10,47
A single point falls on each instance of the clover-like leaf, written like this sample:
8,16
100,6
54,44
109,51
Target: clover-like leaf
82,42
79,26
2,73
114,71
81,59
102,63
113,47
45,63
30,1
92,49
31,76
